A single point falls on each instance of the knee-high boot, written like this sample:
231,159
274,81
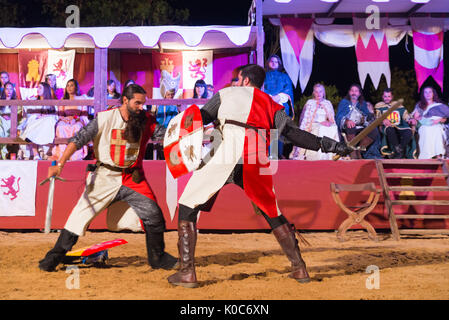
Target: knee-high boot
285,235
157,257
186,276
56,255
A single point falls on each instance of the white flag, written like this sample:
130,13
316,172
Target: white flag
18,188
196,65
61,63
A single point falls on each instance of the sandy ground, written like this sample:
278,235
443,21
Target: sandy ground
234,266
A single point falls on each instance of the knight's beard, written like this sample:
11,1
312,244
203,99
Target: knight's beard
135,125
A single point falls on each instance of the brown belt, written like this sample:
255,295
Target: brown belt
246,126
135,171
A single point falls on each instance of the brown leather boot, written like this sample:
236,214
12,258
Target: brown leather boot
186,276
285,235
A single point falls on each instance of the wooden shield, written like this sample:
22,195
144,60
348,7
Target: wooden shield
183,142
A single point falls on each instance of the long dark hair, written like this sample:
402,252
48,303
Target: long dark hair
361,98
280,64
116,95
47,94
14,95
136,122
47,91
422,101
77,89
200,83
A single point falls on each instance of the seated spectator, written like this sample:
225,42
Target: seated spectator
353,116
127,83
317,117
71,120
200,90
210,91
38,126
4,78
56,93
397,136
164,113
430,116
111,90
279,86
8,93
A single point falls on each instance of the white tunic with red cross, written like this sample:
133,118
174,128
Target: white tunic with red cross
254,108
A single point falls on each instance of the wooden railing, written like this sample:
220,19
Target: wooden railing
14,104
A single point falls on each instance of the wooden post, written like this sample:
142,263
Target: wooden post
100,78
13,129
260,34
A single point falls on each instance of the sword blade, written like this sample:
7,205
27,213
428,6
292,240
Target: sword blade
48,214
372,126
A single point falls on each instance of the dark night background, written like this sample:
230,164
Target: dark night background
332,66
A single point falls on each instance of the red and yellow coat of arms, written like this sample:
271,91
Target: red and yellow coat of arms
123,153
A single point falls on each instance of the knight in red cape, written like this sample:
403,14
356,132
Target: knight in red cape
245,115
119,136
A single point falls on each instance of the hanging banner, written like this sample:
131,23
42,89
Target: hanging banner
296,41
197,65
167,73
428,37
371,48
17,188
32,70
61,63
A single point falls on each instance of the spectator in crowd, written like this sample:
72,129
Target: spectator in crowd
318,118
353,116
430,117
397,136
71,120
39,125
8,93
112,90
279,86
56,93
210,91
127,83
200,90
4,78
164,113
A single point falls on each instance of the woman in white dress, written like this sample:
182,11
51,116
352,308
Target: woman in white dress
8,93
39,124
318,118
430,117
71,120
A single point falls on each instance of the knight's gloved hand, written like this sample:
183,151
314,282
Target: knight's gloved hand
332,146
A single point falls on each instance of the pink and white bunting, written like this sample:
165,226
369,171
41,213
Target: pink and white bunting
296,41
371,48
428,34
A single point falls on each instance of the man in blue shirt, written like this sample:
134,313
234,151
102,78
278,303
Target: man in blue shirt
353,115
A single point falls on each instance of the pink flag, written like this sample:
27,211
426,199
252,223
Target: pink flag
371,50
296,40
428,45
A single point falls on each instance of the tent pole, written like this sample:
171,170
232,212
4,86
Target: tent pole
260,33
100,78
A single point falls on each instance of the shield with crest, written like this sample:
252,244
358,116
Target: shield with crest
183,142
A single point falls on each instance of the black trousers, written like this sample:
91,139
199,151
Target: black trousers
397,137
